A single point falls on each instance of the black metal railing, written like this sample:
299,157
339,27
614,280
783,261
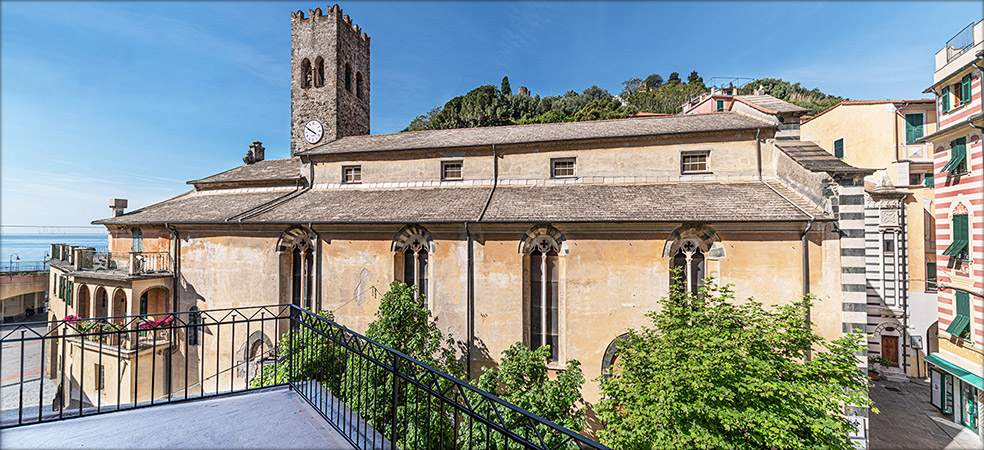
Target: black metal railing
377,397
18,267
373,395
78,366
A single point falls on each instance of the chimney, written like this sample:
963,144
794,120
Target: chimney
255,153
118,205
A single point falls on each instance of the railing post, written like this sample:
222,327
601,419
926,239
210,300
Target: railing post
290,348
396,400
133,264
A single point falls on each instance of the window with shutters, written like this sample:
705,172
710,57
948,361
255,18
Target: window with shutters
961,325
958,157
959,238
137,242
931,277
839,148
945,99
913,127
964,89
929,180
720,106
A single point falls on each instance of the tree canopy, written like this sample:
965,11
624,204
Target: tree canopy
491,106
711,372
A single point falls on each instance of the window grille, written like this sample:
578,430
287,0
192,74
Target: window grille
693,162
562,168
451,170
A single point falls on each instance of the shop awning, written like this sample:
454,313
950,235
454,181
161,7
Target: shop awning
963,374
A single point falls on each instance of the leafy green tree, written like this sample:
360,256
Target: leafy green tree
603,108
505,88
653,80
307,353
714,373
423,121
521,379
674,78
812,99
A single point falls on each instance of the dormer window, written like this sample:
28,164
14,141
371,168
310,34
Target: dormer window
562,168
451,170
352,174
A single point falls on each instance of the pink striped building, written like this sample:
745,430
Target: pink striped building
957,373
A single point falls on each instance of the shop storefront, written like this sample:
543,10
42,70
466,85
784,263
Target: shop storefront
956,391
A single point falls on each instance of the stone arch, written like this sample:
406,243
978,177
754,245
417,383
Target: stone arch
358,85
408,234
296,235
306,74
119,305
101,302
82,306
153,301
608,361
703,236
319,72
540,233
257,347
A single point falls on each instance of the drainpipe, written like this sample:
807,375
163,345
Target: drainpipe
495,182
904,277
758,154
316,302
470,289
177,261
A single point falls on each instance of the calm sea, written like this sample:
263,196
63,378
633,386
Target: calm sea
31,247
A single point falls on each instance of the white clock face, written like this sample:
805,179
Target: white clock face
313,131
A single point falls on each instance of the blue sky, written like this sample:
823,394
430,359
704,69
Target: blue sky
106,99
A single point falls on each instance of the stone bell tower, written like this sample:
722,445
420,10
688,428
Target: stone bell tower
329,83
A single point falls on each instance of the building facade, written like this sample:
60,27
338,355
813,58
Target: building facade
551,234
958,366
900,259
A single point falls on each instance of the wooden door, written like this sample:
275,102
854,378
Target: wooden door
890,350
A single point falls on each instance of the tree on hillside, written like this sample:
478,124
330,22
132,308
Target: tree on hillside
423,121
653,81
714,373
506,90
674,78
812,99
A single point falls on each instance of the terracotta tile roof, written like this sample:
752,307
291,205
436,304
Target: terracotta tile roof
815,159
539,133
267,171
769,104
868,102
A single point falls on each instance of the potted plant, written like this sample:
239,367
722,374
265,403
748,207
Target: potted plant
874,362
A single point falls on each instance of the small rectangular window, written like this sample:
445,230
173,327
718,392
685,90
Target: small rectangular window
945,99
931,276
562,168
915,179
451,170
889,246
720,106
839,148
694,162
352,174
913,127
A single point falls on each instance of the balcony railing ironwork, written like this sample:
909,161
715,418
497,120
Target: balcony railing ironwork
130,262
960,42
373,395
16,267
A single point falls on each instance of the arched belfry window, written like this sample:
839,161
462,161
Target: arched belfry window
413,248
319,72
348,77
299,246
689,259
306,74
358,84
544,295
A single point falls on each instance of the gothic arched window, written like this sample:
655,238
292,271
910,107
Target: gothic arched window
415,265
544,295
302,272
690,261
358,84
305,74
348,77
319,72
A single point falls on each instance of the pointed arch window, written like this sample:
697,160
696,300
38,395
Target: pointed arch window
415,266
689,259
544,295
302,273
358,85
319,72
306,74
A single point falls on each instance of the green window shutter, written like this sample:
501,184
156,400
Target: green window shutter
961,319
958,237
68,285
945,98
720,105
958,153
965,89
839,148
931,275
928,180
913,127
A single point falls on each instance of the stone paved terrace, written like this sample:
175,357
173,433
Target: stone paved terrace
270,418
909,421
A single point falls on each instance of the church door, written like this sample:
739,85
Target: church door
890,350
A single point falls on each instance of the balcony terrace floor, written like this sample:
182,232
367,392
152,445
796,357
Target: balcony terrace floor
269,418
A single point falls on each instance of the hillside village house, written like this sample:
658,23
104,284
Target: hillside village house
958,367
899,228
555,234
